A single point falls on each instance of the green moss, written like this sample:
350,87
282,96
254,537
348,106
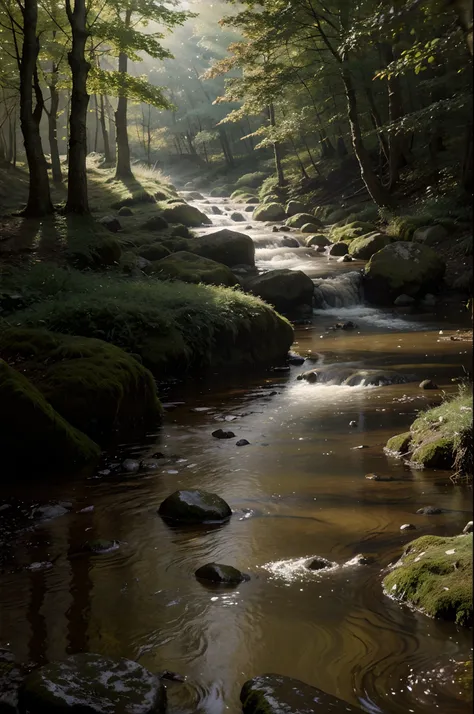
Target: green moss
253,180
155,251
399,444
32,433
364,247
434,453
97,387
185,214
300,219
269,212
193,268
351,231
435,580
243,191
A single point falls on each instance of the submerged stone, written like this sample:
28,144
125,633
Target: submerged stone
319,563
276,694
93,684
195,506
218,573
408,527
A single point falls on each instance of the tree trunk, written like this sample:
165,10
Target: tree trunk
105,134
39,197
397,150
277,151
377,122
377,192
96,130
123,169
112,133
53,127
464,11
226,147
77,201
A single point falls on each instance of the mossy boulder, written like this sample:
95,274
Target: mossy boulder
32,433
294,207
187,215
276,694
436,452
196,506
220,192
399,444
353,230
269,212
252,180
225,246
430,235
301,219
271,198
154,251
434,575
95,386
155,223
222,574
402,268
93,684
338,249
181,231
193,268
310,227
364,247
287,290
93,249
319,239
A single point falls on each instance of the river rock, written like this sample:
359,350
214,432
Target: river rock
269,212
218,573
237,217
345,258
289,242
11,679
317,240
110,222
408,527
155,223
125,211
294,207
429,300
48,512
359,559
242,442
338,249
403,300
468,528
221,434
276,694
295,359
93,684
310,227
430,511
428,384
131,465
195,506
191,268
152,252
187,215
301,219
249,209
364,247
285,289
402,268
226,247
216,210
319,563
430,235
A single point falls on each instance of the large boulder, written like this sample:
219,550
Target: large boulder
287,290
294,207
300,219
364,247
226,247
352,230
194,506
97,387
153,251
434,575
93,684
32,433
276,694
269,212
319,239
339,248
402,268
191,268
187,215
430,235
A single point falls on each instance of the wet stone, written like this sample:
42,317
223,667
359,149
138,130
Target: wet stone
100,546
430,511
295,359
194,506
281,370
131,466
48,512
222,574
468,527
319,563
408,527
359,559
11,678
276,694
221,434
242,442
428,384
93,684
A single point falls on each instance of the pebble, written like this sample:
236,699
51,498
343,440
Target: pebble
221,434
408,527
87,509
242,442
468,527
353,423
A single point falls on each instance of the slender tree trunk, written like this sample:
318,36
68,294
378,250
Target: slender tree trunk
377,192
53,126
277,150
377,122
148,137
14,140
11,136
105,134
226,147
77,200
397,154
39,197
112,133
96,131
123,169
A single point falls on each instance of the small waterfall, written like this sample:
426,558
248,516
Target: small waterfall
342,291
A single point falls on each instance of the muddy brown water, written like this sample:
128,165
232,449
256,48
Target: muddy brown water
298,489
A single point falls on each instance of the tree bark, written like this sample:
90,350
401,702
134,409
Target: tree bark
397,152
105,134
96,128
39,197
53,126
277,151
77,200
123,168
229,158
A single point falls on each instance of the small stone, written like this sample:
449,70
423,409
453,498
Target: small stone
157,455
172,676
295,359
468,527
353,423
131,465
113,224
218,573
430,511
349,325
428,384
408,527
87,509
46,513
221,434
319,563
359,559
43,565
373,477
345,258
242,442
429,300
149,465
5,507
361,446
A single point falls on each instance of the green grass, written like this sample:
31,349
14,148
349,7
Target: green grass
433,579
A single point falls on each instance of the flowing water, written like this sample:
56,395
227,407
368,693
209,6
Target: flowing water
298,489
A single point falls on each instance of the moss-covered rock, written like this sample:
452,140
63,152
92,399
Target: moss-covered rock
430,235
220,192
300,219
222,574
275,694
435,453
402,268
319,239
364,247
338,249
351,231
287,290
434,575
94,684
294,207
269,212
154,251
32,432
193,268
271,198
95,386
310,227
225,246
155,223
399,444
195,506
187,215
252,180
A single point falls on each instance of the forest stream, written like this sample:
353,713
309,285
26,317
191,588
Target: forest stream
297,489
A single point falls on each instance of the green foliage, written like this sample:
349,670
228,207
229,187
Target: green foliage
116,84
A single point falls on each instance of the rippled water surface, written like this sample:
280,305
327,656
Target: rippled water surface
297,490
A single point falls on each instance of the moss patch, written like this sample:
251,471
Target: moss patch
193,269
32,433
351,231
399,444
434,575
